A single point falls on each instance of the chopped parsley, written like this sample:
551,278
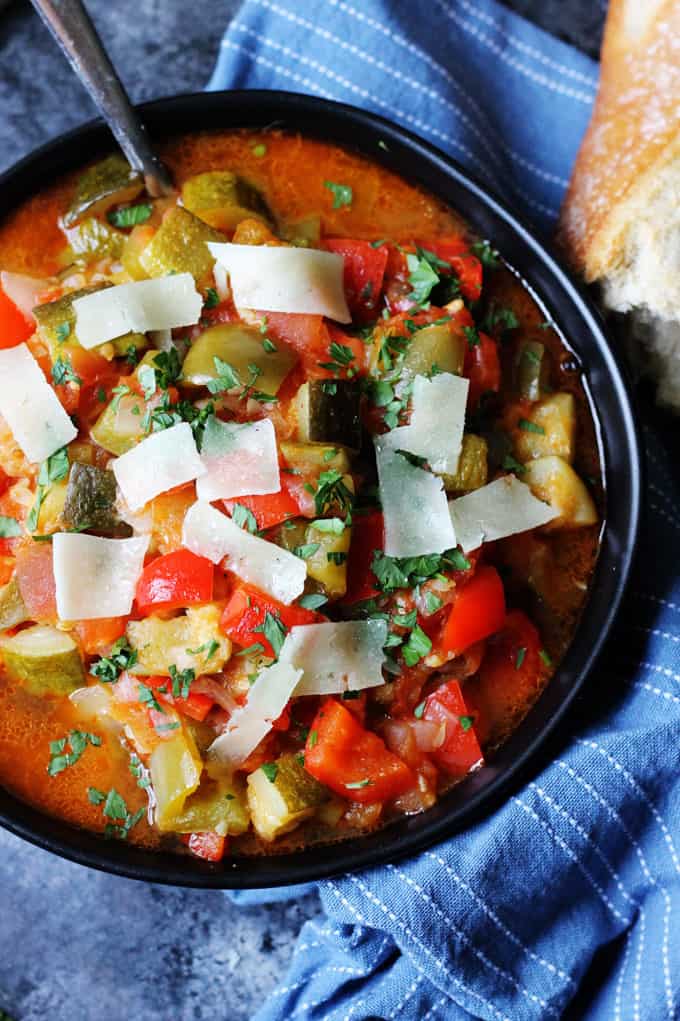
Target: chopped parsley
148,698
337,557
62,332
209,648
147,381
54,469
407,572
244,518
139,771
270,770
253,650
422,276
131,215
405,619
313,738
181,681
274,630
417,646
512,465
466,722
312,600
531,427
212,298
419,710
487,255
472,336
306,551
499,318
432,603
331,526
342,357
330,490
62,372
519,658
108,669
114,808
260,150
545,657
228,378
67,750
269,346
357,785
9,527
342,194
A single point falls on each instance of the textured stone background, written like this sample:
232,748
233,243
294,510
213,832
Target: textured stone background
75,943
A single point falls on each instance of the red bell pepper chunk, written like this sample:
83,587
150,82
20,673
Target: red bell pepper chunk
196,705
466,266
460,749
363,275
477,612
175,580
246,612
209,846
271,509
353,762
368,535
15,327
483,368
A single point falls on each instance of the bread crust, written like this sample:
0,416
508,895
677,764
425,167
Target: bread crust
633,133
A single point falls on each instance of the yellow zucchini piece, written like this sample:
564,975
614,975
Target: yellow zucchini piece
94,239
553,480
281,795
473,467
43,660
175,768
161,644
315,456
222,199
52,508
57,326
218,806
328,564
240,346
436,345
179,246
554,419
12,607
106,184
118,429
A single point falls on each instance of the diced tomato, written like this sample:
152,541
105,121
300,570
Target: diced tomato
175,580
246,612
466,266
477,612
483,368
353,762
508,680
35,578
209,846
306,334
15,327
460,750
97,636
196,705
363,275
359,349
368,535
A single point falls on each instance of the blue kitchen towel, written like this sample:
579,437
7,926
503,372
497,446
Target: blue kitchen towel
566,902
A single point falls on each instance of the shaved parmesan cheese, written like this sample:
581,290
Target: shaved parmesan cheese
30,406
267,699
22,290
417,519
211,534
435,431
240,460
345,656
284,279
96,577
160,462
159,304
502,508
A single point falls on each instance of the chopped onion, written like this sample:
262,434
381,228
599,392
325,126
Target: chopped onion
160,462
504,507
96,577
333,657
209,533
417,519
216,691
240,459
284,279
22,290
30,406
435,431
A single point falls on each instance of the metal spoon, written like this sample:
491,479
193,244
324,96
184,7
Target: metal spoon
70,24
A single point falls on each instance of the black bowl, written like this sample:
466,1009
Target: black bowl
579,321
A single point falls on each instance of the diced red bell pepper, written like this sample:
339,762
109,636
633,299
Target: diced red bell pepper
483,368
175,580
353,762
271,509
282,722
477,612
368,535
508,680
196,705
306,334
466,266
460,749
15,327
246,611
209,846
363,275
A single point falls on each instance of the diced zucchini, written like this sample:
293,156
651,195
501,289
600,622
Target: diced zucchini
12,607
472,466
308,457
90,503
218,806
303,233
108,183
240,346
289,534
52,509
553,480
119,428
135,243
43,660
282,803
554,427
531,370
435,346
179,246
222,199
175,768
328,411
57,326
161,644
328,564
94,239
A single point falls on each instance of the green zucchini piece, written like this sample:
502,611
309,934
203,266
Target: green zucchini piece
473,466
179,246
106,184
43,660
240,346
330,413
436,345
161,644
12,607
328,563
94,239
218,806
222,199
280,804
57,325
306,457
91,502
531,370
175,768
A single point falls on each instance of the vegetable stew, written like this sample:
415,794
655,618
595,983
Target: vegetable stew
300,498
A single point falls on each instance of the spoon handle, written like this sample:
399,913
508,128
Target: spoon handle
71,26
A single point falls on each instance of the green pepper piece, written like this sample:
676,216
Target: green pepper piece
105,184
43,660
179,246
239,346
222,199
